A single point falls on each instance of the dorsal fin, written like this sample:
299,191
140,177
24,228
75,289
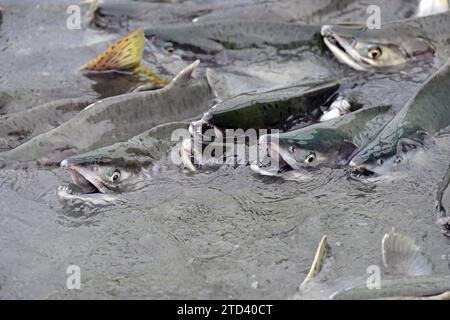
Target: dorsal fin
123,55
185,74
317,264
402,256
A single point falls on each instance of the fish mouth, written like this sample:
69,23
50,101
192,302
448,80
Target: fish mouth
280,159
342,48
202,128
68,197
362,170
84,178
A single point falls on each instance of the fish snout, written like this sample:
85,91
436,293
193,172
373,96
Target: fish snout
326,30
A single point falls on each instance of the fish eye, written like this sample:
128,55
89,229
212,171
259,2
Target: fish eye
168,47
291,149
115,176
380,162
310,158
374,52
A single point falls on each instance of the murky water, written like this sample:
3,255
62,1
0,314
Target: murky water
227,233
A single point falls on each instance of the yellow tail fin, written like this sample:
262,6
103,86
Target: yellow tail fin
123,55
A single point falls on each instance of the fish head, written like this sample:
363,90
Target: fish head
166,47
371,162
110,169
308,147
316,146
374,49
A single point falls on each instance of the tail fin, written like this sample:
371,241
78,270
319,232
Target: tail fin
402,256
123,55
319,259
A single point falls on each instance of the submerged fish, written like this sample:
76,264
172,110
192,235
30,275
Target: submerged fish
118,119
391,46
409,276
124,55
212,37
330,143
427,112
123,166
18,127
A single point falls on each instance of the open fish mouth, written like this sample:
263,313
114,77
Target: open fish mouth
68,196
280,160
202,133
201,128
362,171
84,178
343,49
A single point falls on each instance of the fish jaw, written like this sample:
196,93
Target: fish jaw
67,196
364,49
280,160
341,49
85,178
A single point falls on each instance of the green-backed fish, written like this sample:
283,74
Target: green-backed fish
329,143
120,167
409,276
426,112
391,46
278,108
